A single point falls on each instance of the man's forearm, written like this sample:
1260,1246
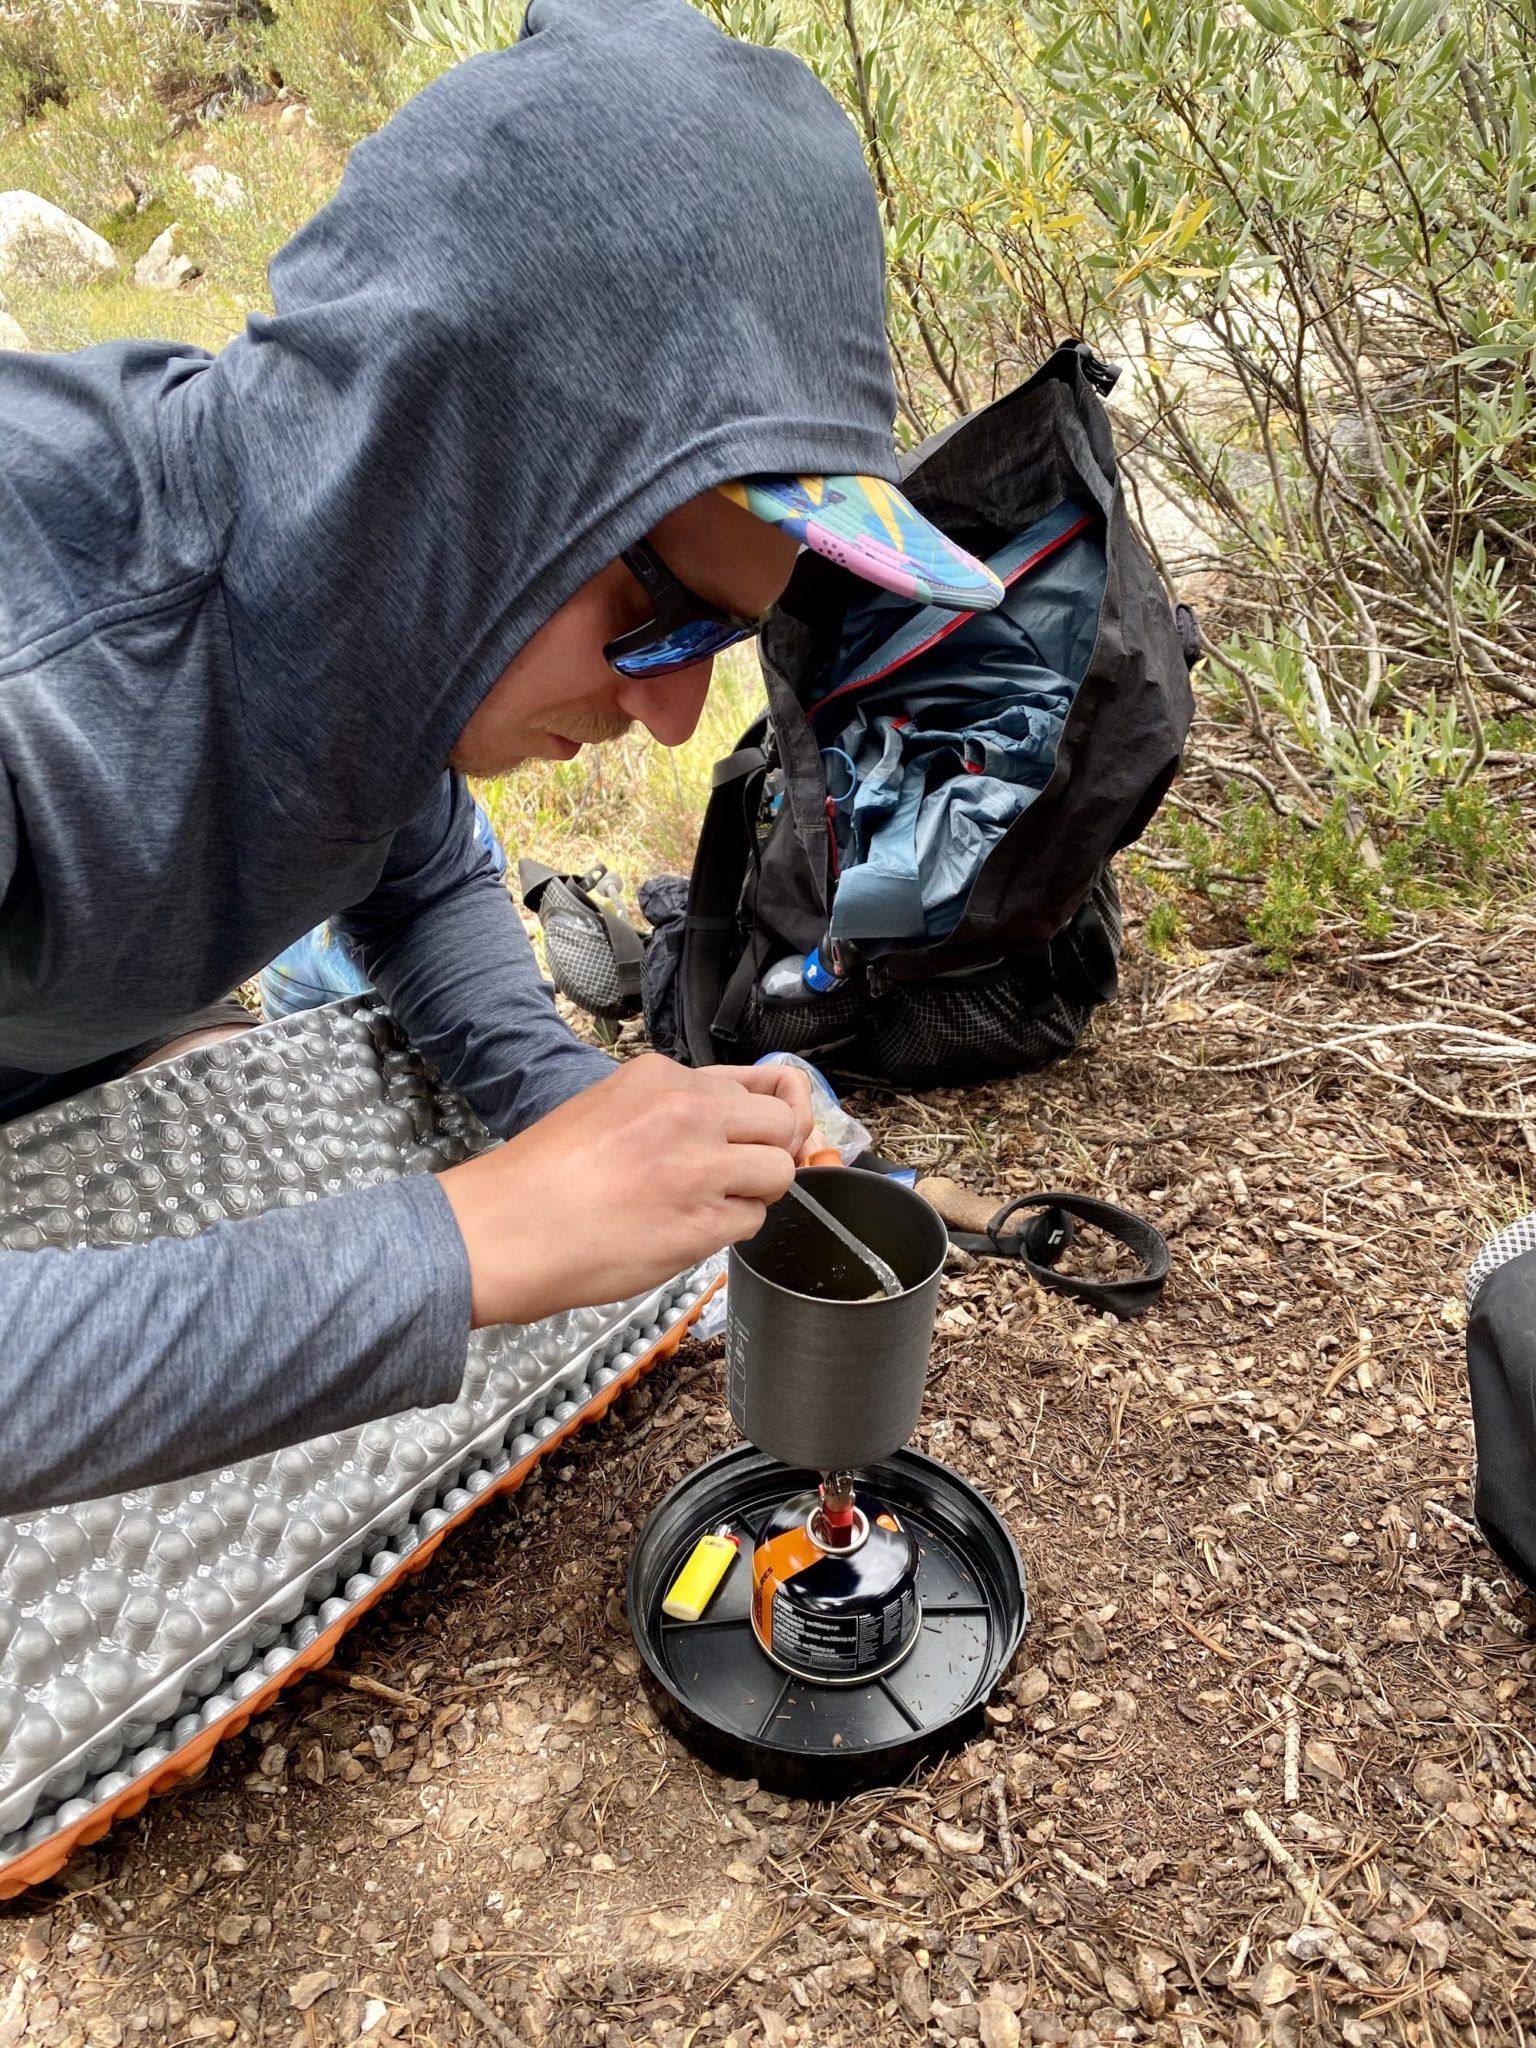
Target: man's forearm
441,941
126,1368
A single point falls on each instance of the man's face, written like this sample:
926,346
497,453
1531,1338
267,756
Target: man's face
557,693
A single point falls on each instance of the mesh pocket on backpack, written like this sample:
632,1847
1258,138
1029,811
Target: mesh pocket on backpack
944,1032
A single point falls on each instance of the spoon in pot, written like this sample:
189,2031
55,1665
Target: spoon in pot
885,1274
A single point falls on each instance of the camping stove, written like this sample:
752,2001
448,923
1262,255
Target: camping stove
821,1607
834,1585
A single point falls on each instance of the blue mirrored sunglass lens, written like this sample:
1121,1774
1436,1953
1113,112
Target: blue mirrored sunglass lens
695,641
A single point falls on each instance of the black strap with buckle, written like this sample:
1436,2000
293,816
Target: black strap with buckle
1039,1243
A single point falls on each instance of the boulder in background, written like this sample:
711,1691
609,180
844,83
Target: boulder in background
41,244
162,267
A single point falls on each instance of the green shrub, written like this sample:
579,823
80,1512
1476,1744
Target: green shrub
346,58
97,143
30,74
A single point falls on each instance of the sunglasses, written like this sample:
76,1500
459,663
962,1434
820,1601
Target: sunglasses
683,627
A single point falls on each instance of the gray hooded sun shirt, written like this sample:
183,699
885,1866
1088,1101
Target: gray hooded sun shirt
248,602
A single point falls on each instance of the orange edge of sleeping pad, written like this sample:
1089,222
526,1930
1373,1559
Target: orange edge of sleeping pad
33,1866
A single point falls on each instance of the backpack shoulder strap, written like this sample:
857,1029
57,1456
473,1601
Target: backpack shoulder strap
714,895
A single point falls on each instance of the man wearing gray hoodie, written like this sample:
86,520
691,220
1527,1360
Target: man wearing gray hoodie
588,343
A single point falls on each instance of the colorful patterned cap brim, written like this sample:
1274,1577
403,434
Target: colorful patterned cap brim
870,528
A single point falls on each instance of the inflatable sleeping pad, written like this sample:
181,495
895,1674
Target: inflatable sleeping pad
139,1630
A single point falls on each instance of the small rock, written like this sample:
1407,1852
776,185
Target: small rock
1272,1984
1151,1989
233,1929
583,1712
41,244
1047,2029
999,2027
1089,1639
440,1940
959,1206
1284,2027
377,2008
528,1857
957,1841
229,1863
1310,1944
1086,1960
313,1985
1031,1687
221,189
1435,1785
1449,1993
912,1995
1434,1937
162,267
1324,1761
1119,1989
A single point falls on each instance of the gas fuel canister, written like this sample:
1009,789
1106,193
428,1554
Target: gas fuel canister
835,1615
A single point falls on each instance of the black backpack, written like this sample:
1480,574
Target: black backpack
985,925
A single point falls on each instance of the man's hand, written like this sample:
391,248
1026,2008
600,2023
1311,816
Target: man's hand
626,1184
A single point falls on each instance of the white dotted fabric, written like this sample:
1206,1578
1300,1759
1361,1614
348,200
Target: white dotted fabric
1498,1251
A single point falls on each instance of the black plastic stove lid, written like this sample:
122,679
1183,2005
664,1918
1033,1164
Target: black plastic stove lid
715,1687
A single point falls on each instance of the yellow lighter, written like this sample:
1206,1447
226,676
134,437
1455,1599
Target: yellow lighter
695,1585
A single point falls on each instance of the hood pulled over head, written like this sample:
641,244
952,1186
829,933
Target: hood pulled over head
569,286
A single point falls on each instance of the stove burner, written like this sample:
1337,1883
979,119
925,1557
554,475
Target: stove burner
827,1731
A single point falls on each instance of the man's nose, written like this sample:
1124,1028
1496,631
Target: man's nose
669,707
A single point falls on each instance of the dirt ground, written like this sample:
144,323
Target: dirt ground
1243,1523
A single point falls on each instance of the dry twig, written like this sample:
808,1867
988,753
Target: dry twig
475,2005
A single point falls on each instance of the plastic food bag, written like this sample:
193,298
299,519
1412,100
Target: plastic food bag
837,1126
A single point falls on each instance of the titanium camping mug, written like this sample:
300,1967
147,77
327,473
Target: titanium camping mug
823,1370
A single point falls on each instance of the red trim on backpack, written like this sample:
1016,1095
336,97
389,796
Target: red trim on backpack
953,625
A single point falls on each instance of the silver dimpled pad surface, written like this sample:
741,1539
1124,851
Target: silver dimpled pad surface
128,1623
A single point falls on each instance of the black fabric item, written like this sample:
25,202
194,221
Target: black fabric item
1501,1367
663,905
1014,981
1039,1243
